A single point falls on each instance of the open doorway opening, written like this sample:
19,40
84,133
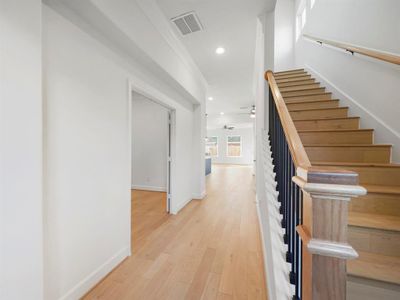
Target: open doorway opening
151,165
151,147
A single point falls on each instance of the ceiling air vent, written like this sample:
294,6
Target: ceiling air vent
187,23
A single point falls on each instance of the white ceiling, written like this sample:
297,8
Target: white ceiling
230,24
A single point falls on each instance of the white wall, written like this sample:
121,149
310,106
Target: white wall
268,37
21,244
247,135
149,144
87,203
371,88
87,167
199,135
283,35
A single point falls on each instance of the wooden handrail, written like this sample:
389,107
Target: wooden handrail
391,58
299,155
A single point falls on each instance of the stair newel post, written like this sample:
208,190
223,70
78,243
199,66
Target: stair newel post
326,195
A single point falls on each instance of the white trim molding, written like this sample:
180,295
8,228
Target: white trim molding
97,275
176,210
159,20
331,249
199,196
149,188
330,191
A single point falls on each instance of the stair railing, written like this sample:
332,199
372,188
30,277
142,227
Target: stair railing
313,203
387,57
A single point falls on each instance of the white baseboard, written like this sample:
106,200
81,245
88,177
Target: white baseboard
231,163
96,276
149,188
199,196
175,211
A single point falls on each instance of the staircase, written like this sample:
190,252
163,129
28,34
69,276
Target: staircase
334,139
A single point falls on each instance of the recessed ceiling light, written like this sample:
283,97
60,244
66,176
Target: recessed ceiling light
220,50
210,98
221,113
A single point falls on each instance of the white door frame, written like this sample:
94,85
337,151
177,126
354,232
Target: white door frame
169,160
161,99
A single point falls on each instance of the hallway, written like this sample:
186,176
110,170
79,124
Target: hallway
210,250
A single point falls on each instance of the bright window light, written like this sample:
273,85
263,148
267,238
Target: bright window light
212,146
298,27
234,146
303,18
312,3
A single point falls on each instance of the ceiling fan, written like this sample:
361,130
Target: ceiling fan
228,127
252,112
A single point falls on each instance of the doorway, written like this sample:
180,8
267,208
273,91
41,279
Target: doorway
151,144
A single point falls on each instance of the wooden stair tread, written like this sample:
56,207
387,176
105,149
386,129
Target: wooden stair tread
330,123
303,77
297,82
318,96
348,152
336,136
290,76
382,189
321,104
375,221
374,173
312,101
357,164
348,145
323,93
327,119
375,266
285,75
302,87
288,71
317,90
316,109
334,130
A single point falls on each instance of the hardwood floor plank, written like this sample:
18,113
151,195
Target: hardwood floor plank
211,289
197,287
210,250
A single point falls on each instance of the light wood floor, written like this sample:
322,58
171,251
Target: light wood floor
210,250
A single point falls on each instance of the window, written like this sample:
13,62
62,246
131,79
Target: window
301,19
212,146
234,148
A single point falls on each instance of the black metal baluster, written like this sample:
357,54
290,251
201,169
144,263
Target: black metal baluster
293,227
290,195
284,170
287,200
